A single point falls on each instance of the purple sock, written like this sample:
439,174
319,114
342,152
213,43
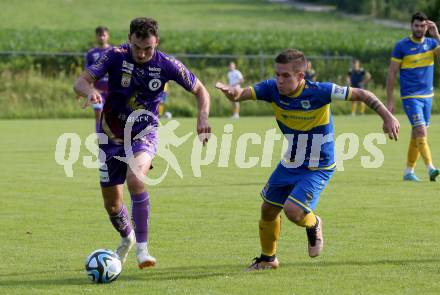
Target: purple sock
140,212
121,222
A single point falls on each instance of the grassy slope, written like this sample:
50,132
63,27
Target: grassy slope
381,234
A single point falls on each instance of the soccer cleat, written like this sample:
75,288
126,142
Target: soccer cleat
145,259
433,174
125,246
315,238
263,263
410,177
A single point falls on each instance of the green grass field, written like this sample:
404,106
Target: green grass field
381,234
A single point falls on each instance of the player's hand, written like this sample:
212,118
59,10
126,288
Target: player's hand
391,126
230,92
94,97
203,128
432,28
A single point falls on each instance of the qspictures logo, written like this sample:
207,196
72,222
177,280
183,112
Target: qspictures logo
224,150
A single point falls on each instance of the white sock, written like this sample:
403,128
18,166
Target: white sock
141,246
430,167
409,170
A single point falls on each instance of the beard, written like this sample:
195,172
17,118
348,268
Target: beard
418,35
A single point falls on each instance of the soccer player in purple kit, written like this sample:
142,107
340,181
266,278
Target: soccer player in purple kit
102,40
137,73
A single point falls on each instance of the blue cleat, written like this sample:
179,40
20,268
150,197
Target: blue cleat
411,177
433,174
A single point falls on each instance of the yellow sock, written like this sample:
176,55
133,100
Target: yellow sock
362,108
353,107
269,234
308,221
413,153
161,109
425,151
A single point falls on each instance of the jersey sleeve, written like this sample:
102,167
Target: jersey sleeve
331,91
397,54
263,90
434,44
179,73
88,59
98,69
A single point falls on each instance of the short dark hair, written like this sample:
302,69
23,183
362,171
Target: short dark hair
294,56
101,30
418,16
144,27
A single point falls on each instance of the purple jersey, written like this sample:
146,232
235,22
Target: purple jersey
92,56
134,86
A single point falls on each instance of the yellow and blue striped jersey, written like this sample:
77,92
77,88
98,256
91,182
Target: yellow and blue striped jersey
416,60
305,120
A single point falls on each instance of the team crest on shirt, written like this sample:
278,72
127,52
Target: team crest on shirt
306,104
425,46
125,80
154,84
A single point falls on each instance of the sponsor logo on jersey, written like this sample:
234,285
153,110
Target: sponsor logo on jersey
154,84
125,80
127,65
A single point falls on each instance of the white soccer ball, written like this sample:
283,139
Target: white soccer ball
103,266
167,115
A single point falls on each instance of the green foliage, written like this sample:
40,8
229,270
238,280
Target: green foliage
33,95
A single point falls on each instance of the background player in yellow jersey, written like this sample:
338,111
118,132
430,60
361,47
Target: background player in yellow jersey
414,57
302,111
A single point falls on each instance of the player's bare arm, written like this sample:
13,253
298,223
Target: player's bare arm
433,31
391,125
234,93
84,87
392,73
203,100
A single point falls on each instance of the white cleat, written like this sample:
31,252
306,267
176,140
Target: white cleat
145,259
125,246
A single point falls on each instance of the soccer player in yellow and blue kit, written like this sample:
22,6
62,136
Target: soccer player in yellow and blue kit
414,57
302,111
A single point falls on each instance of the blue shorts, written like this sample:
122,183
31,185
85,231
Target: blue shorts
418,110
301,186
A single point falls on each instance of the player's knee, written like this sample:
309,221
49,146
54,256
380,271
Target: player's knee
269,212
294,213
135,185
419,131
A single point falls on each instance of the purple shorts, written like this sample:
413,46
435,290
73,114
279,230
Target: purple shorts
114,171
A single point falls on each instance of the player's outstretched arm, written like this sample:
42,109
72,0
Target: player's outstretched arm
84,87
203,101
392,72
391,125
234,94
